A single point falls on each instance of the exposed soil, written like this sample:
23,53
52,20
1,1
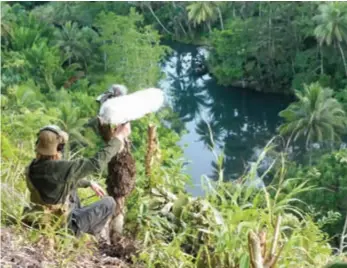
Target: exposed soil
16,251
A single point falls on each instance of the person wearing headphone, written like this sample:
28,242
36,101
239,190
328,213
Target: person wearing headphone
53,182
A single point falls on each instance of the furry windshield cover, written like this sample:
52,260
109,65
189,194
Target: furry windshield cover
125,108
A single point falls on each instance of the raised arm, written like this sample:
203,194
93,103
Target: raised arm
80,168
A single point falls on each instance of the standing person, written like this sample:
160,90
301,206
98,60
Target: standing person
53,182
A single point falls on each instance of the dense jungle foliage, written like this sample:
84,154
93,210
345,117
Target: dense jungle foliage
58,56
268,46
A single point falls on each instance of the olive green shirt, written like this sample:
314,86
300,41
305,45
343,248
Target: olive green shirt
54,179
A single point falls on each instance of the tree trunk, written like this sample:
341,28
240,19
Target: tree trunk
242,10
343,236
155,16
321,60
183,30
187,22
105,58
191,34
257,248
85,65
343,57
209,27
220,18
49,81
255,251
152,144
308,149
270,33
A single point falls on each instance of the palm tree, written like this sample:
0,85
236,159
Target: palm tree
218,6
7,18
178,15
25,96
203,12
210,133
188,99
149,6
73,41
44,63
184,16
64,11
70,120
332,26
23,37
316,116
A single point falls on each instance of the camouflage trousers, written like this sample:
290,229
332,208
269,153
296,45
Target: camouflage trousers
93,218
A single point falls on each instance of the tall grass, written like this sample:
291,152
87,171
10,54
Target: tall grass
55,238
212,231
178,230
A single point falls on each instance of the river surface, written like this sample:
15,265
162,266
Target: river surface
241,121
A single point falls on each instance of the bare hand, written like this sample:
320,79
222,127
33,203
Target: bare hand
123,131
97,189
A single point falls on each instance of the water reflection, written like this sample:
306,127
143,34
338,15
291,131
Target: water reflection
239,120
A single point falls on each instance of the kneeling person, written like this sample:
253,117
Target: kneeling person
53,182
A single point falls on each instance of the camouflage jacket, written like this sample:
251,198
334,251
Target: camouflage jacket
52,181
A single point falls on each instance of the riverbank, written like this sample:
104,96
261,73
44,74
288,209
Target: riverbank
244,83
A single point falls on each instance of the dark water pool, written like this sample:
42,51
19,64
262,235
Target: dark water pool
241,121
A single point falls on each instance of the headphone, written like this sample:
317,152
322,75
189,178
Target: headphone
56,130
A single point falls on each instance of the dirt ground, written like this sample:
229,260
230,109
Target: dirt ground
16,251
